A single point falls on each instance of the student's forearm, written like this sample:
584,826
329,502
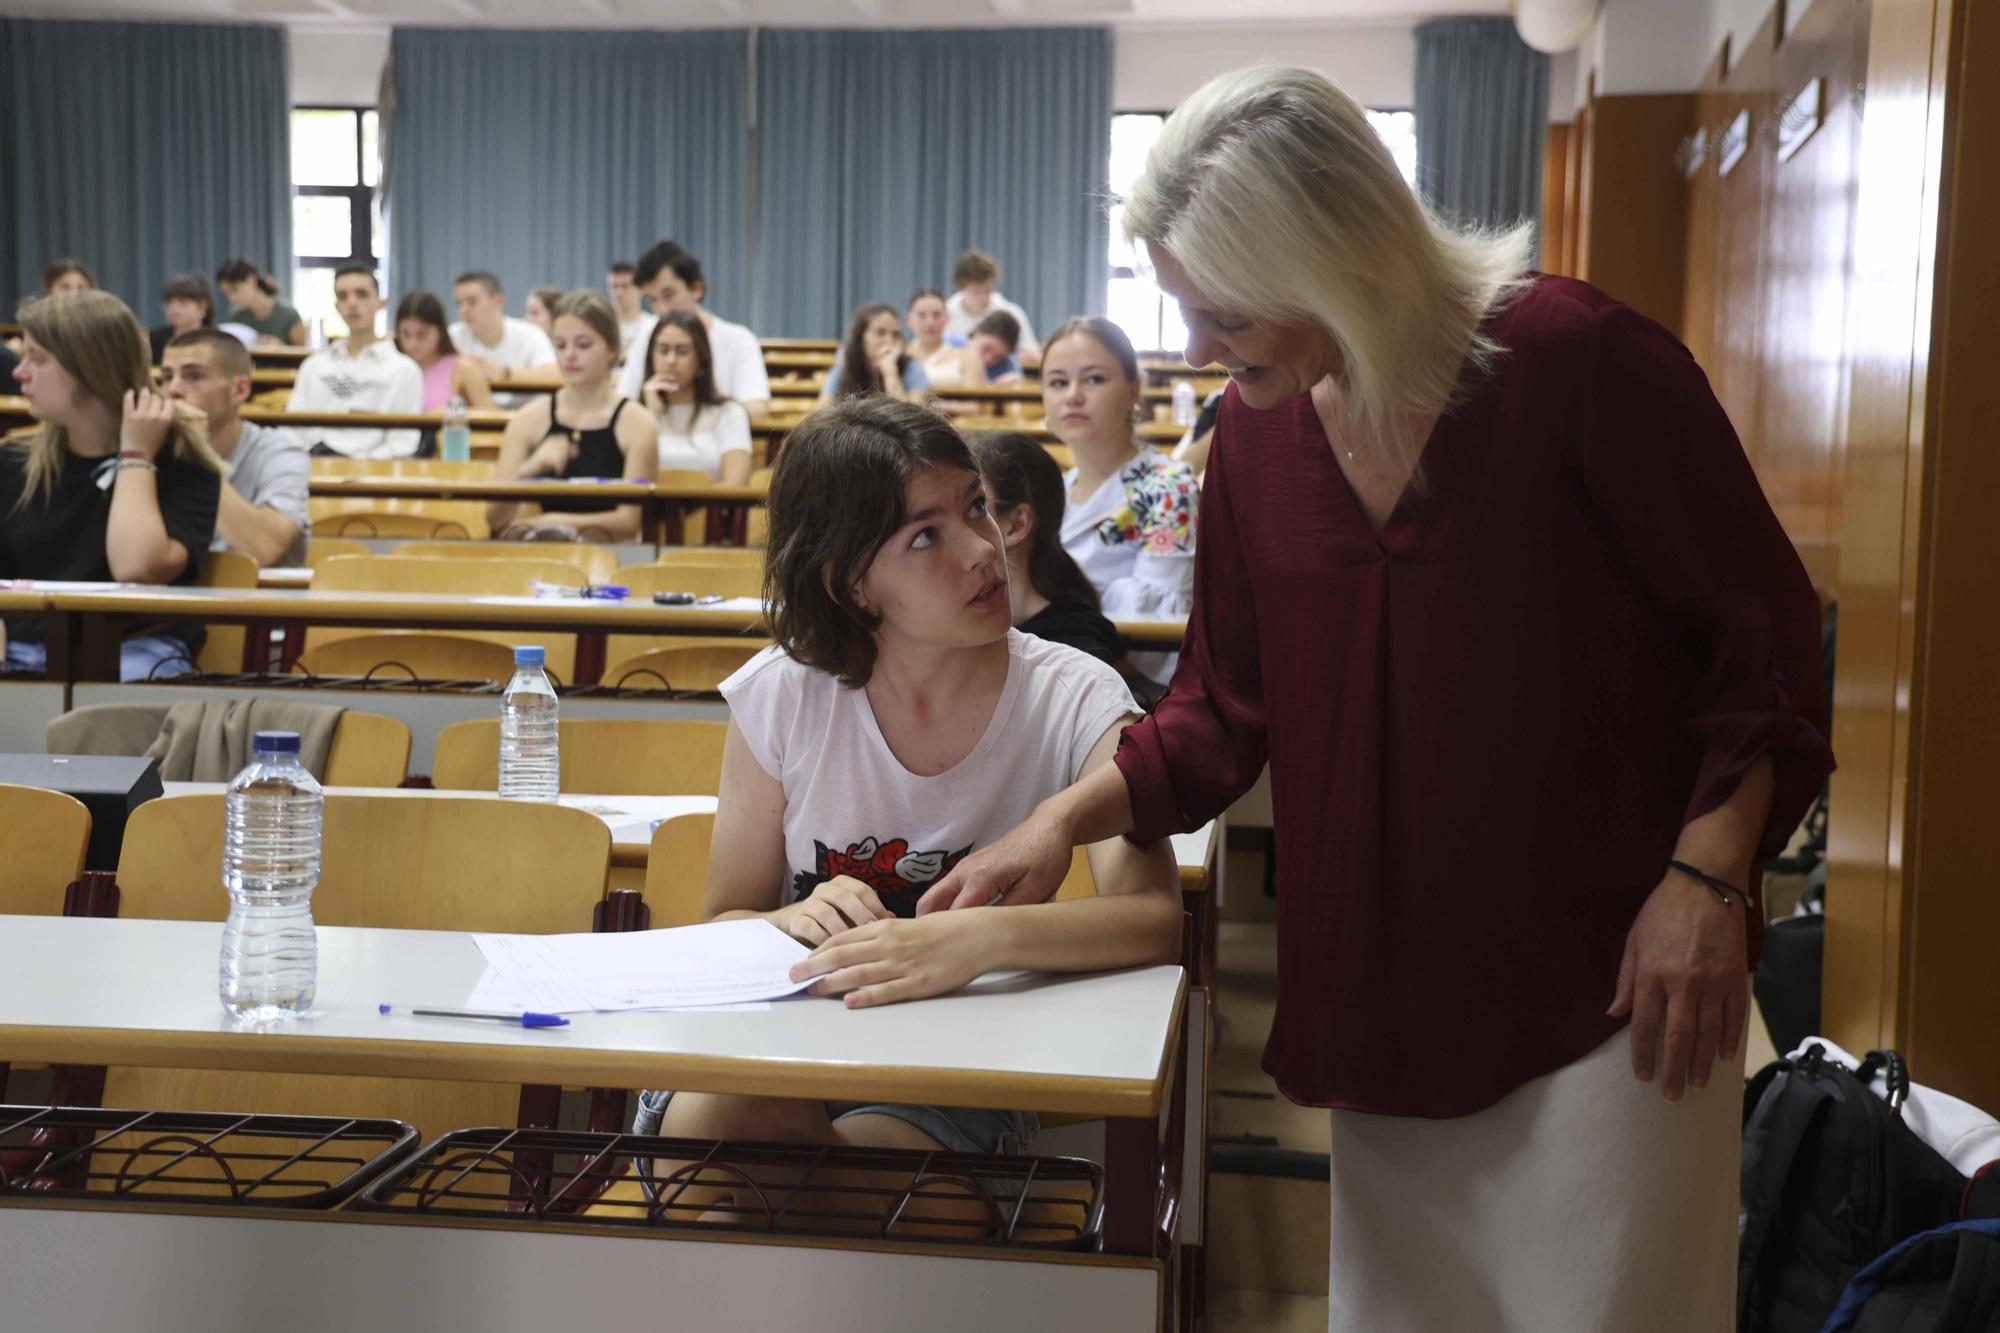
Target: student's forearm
259,532
1083,934
500,513
1724,841
621,524
136,544
1096,807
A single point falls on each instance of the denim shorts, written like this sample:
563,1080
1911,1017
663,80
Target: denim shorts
959,1129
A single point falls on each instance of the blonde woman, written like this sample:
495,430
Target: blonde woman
583,431
1485,577
119,484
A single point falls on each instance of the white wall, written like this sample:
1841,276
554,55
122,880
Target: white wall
1645,46
1153,69
338,66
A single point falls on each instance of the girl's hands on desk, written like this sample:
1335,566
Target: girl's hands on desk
891,960
841,904
549,458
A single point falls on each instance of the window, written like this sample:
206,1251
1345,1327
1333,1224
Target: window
1134,302
335,218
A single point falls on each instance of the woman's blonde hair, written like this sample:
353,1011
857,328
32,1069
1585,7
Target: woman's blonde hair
1278,199
94,336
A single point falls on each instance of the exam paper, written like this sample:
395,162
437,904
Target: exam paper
722,962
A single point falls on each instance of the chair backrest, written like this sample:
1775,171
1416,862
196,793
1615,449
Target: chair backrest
380,521
1079,882
728,576
403,467
464,578
709,557
598,563
409,862
43,836
368,750
322,549
655,757
222,649
413,654
677,870
694,517
687,667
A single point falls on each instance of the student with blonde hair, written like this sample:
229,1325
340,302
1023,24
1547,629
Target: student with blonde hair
582,431
119,485
1486,579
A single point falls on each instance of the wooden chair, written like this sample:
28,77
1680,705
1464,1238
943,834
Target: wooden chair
625,758
393,523
757,535
322,549
704,558
728,577
598,563
688,667
368,750
402,467
404,862
222,649
43,837
426,654
462,578
677,870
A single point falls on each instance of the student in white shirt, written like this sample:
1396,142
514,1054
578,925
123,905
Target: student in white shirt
897,724
360,373
498,342
1130,519
262,511
671,279
700,430
620,282
974,279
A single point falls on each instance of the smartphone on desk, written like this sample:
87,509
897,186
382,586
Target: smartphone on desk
674,598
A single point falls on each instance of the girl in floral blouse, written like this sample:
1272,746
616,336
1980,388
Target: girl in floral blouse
1130,518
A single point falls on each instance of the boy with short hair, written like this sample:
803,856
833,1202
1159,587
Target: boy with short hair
994,340
975,280
494,339
671,279
262,511
361,373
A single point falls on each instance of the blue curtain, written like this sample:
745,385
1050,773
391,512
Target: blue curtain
143,149
1482,115
544,156
882,155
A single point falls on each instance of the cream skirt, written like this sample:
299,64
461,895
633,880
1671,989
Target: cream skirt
1584,1202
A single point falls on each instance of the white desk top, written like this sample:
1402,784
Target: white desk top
96,991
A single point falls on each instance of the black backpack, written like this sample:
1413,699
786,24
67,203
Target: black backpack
1943,1281
1832,1178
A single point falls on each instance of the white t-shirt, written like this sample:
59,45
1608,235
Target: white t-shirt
522,346
379,379
697,441
962,322
851,808
1134,540
739,363
270,469
630,329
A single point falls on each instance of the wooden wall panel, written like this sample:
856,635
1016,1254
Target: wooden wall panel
1704,220
1742,202
1634,239
1555,230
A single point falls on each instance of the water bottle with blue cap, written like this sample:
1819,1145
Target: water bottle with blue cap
270,863
530,764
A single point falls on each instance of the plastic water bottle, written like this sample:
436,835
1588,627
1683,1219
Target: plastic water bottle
455,437
530,764
316,334
270,863
1184,405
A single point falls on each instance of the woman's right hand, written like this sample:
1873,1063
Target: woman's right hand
656,391
549,459
837,905
1026,866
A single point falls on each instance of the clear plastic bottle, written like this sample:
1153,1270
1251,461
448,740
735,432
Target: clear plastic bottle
530,763
1185,410
270,863
455,435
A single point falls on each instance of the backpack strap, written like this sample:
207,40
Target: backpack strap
1786,1123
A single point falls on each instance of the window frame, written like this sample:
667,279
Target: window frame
360,199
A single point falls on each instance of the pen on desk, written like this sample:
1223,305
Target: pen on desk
526,1020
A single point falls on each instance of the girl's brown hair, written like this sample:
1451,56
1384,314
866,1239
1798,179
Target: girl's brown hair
95,338
1020,471
593,308
1110,335
57,269
689,322
425,308
837,494
857,374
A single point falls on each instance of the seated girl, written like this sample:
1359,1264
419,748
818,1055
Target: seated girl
118,485
700,430
1130,518
1052,598
898,723
947,361
873,359
540,309
423,336
993,342
581,431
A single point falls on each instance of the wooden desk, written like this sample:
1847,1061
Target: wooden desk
662,504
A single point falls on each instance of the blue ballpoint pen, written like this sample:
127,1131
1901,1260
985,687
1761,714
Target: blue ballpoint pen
527,1020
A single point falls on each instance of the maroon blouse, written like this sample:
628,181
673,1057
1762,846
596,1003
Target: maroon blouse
1486,727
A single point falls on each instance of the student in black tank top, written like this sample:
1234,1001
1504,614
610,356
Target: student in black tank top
538,443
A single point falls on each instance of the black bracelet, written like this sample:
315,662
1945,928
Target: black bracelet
1722,888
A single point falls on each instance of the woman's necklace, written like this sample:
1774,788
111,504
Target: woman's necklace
1323,409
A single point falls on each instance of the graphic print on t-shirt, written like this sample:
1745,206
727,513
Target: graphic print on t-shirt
898,875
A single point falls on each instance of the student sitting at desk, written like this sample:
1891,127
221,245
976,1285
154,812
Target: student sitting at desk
363,372
897,724
700,430
582,430
873,359
118,485
423,336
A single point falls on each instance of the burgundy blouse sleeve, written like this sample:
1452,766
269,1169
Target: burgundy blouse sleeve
1660,461
1203,746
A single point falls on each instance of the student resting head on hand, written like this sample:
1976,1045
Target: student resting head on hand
898,723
